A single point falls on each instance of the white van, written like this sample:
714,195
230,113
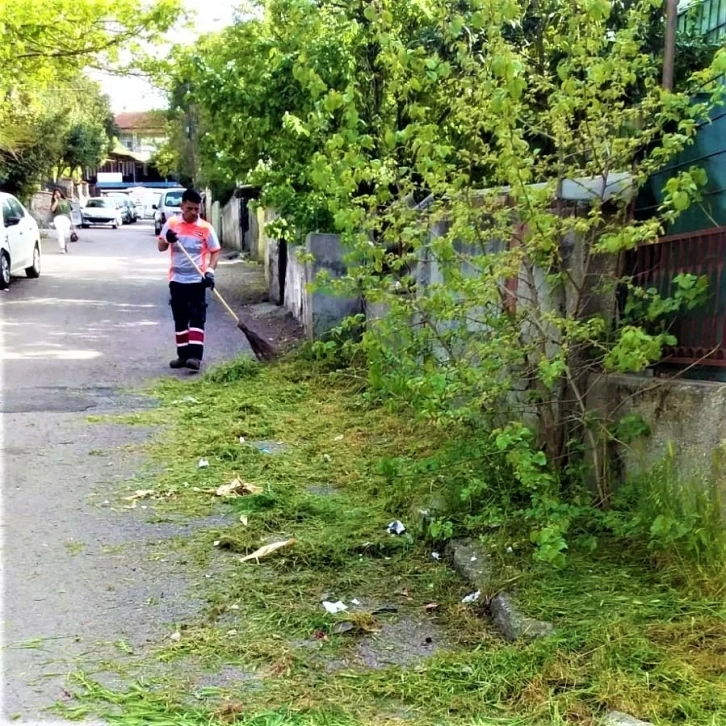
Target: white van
169,204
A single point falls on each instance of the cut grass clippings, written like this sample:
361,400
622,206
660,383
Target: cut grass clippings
625,638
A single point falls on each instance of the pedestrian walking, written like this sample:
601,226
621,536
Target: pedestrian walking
61,210
188,290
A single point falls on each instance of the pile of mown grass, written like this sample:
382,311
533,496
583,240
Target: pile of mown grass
624,637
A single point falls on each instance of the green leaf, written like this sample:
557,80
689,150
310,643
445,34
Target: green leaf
370,13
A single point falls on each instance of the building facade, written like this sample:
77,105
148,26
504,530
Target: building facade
142,133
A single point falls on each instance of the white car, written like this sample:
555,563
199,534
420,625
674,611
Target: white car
102,210
19,241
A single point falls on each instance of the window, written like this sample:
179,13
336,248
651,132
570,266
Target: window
7,209
98,203
16,208
173,199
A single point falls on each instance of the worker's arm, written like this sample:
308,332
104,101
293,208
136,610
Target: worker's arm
214,259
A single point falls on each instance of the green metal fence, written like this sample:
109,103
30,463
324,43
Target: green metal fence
706,18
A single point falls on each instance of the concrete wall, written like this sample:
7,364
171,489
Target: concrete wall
259,239
216,216
687,418
230,232
296,295
252,236
318,312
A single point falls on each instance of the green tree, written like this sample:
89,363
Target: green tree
438,138
49,112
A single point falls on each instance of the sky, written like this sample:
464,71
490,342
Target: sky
135,94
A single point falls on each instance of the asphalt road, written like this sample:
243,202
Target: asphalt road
77,577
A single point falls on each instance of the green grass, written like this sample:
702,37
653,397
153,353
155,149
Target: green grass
626,637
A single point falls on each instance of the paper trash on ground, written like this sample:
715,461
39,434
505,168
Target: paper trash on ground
335,607
396,527
237,488
470,599
257,555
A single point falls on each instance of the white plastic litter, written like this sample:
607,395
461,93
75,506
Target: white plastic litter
355,601
436,556
396,527
335,607
203,464
472,598
176,637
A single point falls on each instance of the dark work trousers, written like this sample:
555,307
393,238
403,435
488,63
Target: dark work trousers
189,308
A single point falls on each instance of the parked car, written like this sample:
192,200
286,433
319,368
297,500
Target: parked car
150,205
169,204
76,213
102,210
128,209
19,241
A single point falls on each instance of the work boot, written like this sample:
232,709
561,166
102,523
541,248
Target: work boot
193,364
178,363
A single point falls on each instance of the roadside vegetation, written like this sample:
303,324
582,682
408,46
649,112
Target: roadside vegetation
634,630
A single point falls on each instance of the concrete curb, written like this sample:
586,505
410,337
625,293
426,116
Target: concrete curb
472,563
616,718
512,624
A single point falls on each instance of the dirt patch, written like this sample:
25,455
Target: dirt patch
403,640
244,287
402,643
275,324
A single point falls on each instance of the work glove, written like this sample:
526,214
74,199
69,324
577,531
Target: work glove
171,236
208,279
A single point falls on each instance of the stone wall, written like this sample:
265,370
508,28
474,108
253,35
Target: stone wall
39,208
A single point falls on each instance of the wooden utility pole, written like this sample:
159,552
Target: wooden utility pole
669,50
191,134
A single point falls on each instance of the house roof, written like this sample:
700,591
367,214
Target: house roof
141,121
119,153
